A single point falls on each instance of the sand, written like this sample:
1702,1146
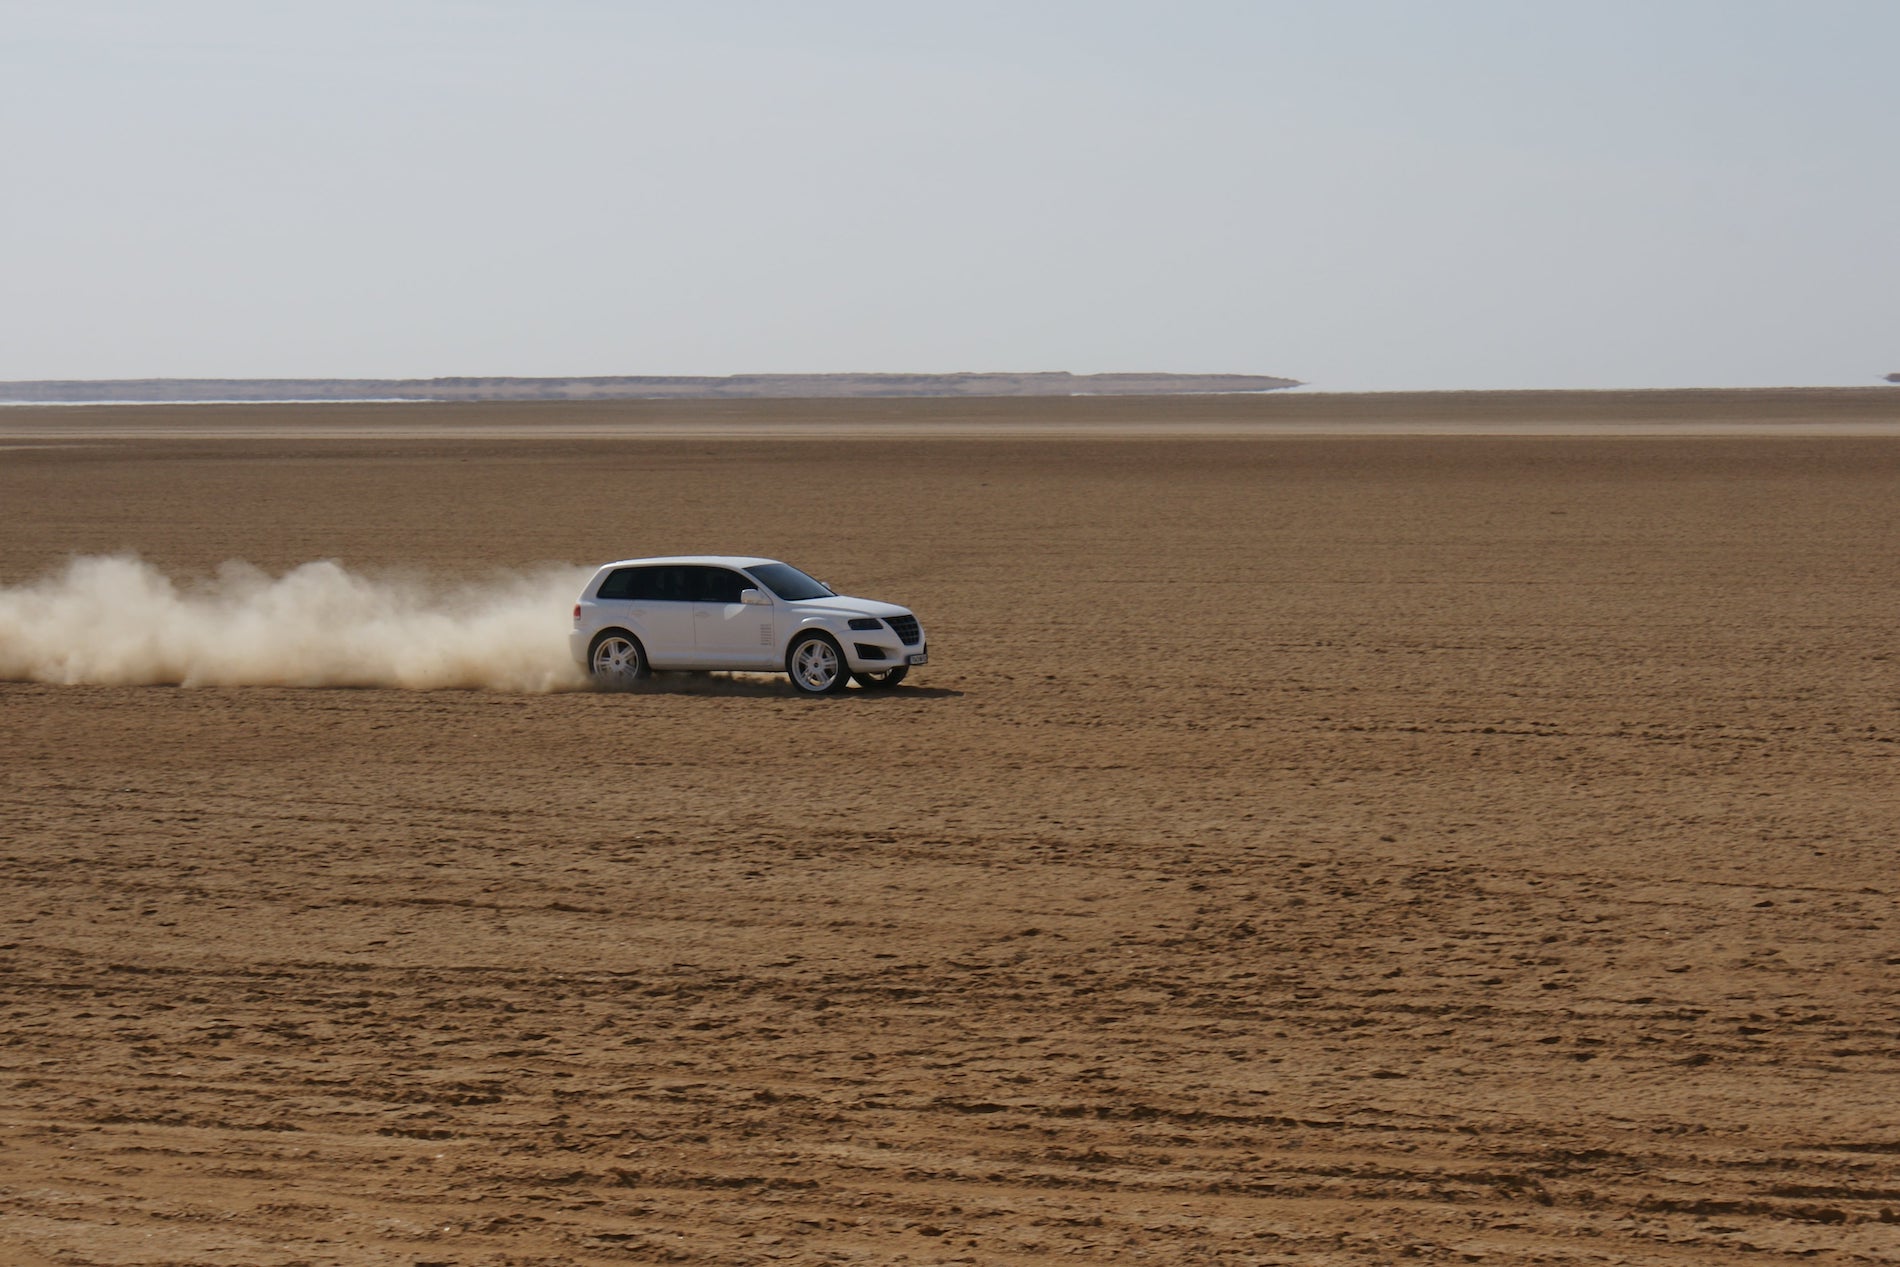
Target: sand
1330,831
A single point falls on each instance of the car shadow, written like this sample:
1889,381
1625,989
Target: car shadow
761,686
895,692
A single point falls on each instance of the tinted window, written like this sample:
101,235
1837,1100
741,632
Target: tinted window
625,583
665,583
788,582
717,585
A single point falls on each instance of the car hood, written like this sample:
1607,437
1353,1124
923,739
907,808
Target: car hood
841,605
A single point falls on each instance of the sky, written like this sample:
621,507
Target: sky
1362,194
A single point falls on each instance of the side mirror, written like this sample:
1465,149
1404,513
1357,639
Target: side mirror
828,589
753,598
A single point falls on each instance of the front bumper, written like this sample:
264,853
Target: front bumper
878,651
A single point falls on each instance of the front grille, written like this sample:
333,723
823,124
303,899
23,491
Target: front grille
906,627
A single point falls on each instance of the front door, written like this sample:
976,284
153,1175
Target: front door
728,633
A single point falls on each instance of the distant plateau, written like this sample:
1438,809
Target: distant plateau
731,387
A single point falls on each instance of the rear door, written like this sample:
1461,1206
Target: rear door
652,602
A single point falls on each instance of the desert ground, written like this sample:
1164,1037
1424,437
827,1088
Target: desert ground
1330,830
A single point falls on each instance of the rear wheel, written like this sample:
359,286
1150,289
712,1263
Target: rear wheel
817,665
881,681
616,659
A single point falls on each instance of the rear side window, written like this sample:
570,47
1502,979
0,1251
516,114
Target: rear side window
619,583
644,584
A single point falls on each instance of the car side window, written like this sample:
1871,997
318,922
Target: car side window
625,583
666,584
673,583
718,585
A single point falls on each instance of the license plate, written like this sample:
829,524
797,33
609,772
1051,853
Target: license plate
920,658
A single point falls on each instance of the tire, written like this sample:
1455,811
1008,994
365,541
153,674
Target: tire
817,665
617,660
881,681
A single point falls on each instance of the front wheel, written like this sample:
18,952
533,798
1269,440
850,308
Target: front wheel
817,665
881,681
616,660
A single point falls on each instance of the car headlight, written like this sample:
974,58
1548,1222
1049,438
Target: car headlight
865,623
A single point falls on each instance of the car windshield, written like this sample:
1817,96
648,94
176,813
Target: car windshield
788,582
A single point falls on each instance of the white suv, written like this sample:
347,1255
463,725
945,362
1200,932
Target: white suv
714,611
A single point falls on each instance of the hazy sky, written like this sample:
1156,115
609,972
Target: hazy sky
1365,194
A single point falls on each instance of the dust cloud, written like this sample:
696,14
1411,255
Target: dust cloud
119,621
